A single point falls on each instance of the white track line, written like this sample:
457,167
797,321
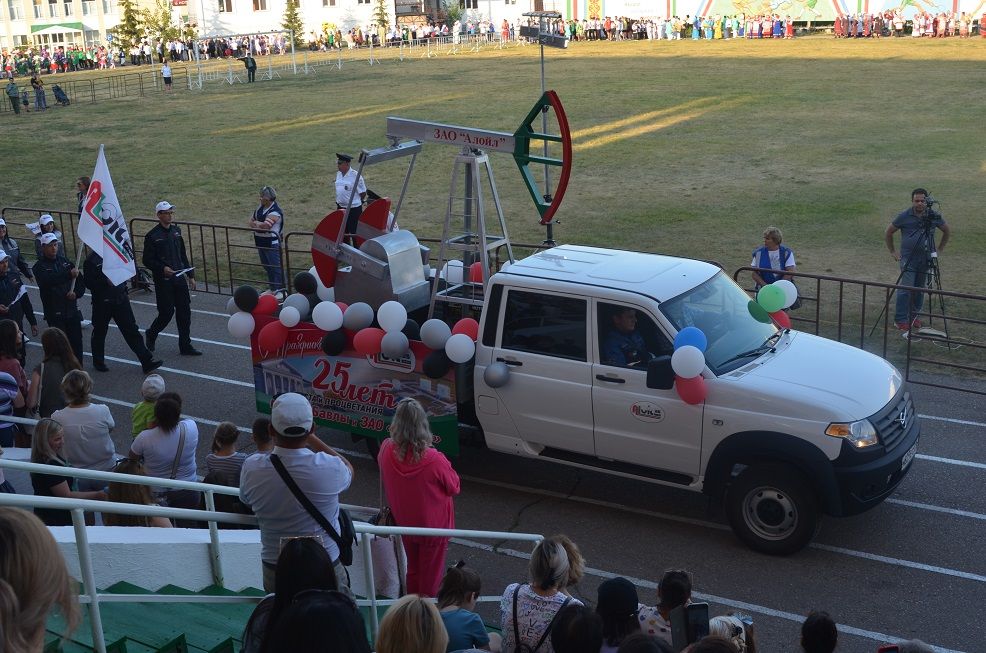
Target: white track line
198,420
154,304
949,511
953,420
732,603
900,563
951,461
207,377
218,343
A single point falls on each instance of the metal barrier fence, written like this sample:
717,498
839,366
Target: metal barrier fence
19,216
93,598
90,90
860,313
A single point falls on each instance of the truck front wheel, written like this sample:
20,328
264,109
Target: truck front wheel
772,509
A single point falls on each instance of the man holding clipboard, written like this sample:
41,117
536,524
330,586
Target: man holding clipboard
165,257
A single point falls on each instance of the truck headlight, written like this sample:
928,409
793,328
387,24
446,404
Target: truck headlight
859,434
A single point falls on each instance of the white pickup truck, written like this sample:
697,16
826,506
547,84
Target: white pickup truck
794,426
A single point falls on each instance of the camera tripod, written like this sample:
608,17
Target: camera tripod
932,281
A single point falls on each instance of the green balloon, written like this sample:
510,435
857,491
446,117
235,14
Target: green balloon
771,298
758,312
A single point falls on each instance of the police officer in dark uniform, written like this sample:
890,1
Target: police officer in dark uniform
111,302
164,255
10,307
55,275
17,267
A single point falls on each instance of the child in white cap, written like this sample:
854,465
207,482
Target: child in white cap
142,416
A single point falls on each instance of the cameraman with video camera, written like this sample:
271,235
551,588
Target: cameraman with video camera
917,248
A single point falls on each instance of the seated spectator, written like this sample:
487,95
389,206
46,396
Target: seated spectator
576,563
577,629
617,605
142,416
87,429
46,449
33,579
644,643
5,486
260,433
224,459
10,397
457,605
712,644
819,633
675,589
168,450
140,495
45,393
527,611
302,565
738,630
412,625
323,622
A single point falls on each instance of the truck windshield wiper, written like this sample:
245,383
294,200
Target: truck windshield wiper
768,345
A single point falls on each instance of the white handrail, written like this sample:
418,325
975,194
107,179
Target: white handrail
92,598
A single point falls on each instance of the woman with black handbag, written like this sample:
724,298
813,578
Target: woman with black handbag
168,451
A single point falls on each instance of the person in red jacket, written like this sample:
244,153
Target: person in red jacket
419,484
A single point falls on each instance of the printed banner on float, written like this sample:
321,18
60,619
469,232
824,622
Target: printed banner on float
103,228
354,392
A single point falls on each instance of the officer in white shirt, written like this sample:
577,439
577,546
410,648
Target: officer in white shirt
346,179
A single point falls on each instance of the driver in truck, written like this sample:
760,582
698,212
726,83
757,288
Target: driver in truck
623,345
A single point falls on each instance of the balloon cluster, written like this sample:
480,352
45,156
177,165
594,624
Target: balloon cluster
350,327
771,301
688,361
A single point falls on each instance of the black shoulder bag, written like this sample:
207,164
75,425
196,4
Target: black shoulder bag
346,536
525,648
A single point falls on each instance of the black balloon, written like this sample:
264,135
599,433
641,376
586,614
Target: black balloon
334,342
305,283
411,330
246,298
436,364
313,301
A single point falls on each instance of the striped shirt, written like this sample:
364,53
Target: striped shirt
226,465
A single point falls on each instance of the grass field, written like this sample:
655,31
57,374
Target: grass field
690,148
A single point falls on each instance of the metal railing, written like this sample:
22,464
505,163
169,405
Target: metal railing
860,313
21,216
93,598
99,89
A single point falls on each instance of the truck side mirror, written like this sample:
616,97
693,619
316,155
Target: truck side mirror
660,376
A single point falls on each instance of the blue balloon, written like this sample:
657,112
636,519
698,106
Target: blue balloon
691,336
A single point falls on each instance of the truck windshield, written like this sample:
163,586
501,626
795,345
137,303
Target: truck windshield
719,308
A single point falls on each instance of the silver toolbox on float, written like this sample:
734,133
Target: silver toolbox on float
388,267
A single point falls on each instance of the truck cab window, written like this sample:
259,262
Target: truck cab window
545,324
628,337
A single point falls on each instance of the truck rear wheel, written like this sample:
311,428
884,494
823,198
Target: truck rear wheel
772,509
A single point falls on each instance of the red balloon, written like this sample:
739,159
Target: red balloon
468,326
367,341
692,391
342,306
266,305
782,319
476,273
272,337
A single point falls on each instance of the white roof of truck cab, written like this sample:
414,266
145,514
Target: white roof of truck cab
654,275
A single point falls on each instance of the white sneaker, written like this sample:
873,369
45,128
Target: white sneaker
86,324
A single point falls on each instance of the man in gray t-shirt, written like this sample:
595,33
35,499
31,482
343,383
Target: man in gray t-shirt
917,226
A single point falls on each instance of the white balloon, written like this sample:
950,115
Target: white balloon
241,324
453,272
392,316
394,344
790,291
460,348
435,333
688,361
290,316
497,375
358,316
298,301
327,316
231,307
326,294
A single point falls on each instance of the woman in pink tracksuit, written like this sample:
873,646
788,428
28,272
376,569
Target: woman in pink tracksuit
419,483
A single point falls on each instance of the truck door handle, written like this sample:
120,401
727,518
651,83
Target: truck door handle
610,379
510,362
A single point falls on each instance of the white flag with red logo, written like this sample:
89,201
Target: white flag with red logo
103,228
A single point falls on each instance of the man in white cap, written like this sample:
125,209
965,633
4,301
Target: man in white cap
55,275
318,471
165,257
47,224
